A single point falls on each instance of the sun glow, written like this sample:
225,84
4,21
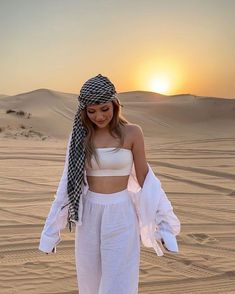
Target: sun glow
162,75
160,84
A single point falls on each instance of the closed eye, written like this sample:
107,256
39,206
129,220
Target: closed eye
89,111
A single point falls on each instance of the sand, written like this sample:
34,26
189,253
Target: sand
190,144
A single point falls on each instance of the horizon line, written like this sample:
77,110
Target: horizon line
145,91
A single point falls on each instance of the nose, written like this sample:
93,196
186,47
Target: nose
99,117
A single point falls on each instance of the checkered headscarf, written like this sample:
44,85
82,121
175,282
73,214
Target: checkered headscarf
96,90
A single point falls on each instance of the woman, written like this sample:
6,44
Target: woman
102,152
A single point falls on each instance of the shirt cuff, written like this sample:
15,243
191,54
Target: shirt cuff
48,243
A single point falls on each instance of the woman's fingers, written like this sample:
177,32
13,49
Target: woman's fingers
53,250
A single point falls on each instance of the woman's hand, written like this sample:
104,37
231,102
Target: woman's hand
53,251
164,245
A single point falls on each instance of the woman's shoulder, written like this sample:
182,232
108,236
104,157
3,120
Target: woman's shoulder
133,132
133,129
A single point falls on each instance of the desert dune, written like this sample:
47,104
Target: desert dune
190,144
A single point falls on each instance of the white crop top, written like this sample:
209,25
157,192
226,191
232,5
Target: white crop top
112,162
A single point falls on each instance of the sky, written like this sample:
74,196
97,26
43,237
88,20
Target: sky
170,47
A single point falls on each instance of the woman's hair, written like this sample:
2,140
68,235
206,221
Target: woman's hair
115,130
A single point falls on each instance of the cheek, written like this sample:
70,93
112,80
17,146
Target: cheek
90,116
111,113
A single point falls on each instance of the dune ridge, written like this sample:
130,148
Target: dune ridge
165,114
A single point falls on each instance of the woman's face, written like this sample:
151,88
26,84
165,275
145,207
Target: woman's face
100,114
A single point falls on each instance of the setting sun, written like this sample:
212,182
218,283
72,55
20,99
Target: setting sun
160,84
162,75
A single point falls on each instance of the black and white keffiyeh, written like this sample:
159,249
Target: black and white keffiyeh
96,90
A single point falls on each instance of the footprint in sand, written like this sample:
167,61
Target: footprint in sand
143,271
202,238
35,265
231,194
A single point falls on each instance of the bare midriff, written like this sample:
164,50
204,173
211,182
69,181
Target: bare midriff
107,184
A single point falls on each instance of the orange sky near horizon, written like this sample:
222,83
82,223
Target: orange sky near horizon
170,47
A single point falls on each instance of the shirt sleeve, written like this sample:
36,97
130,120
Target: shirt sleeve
168,224
165,216
57,217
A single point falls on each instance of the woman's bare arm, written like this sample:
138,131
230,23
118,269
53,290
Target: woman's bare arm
138,149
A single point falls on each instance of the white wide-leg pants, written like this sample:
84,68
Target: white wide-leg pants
107,245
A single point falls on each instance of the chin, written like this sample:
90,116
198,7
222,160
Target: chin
100,126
